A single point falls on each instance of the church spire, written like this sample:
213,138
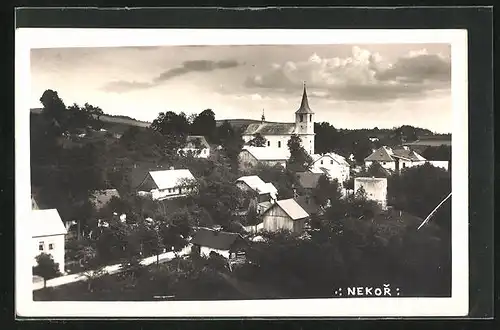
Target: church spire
304,105
263,118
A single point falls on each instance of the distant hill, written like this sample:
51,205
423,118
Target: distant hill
125,120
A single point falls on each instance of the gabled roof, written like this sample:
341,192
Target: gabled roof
291,208
407,154
258,185
308,180
382,154
46,223
100,198
170,178
270,129
191,141
304,104
264,153
331,155
387,154
214,239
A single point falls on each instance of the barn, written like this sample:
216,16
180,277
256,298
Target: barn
285,214
231,246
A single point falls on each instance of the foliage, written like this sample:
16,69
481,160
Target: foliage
204,124
257,141
46,267
300,160
283,179
326,191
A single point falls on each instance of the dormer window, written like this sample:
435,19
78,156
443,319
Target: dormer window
301,118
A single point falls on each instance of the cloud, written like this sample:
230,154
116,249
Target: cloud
362,76
122,86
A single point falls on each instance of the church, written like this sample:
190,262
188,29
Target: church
278,134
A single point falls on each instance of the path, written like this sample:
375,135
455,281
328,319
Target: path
112,269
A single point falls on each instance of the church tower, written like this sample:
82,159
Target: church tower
304,123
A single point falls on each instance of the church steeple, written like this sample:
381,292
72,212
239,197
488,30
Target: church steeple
263,118
304,105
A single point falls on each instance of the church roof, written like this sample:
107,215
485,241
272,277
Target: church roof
270,129
304,105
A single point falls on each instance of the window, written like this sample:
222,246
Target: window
310,117
321,162
404,165
301,118
331,161
268,143
384,163
279,144
51,246
40,246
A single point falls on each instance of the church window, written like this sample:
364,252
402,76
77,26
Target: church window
301,118
279,144
268,143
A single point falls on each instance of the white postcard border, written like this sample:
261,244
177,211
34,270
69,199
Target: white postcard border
457,305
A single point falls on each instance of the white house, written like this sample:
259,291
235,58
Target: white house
266,190
48,235
395,159
165,184
333,165
197,146
278,134
375,188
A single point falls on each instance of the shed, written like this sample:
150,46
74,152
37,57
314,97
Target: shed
285,214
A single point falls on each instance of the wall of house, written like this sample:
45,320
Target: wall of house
376,189
160,194
335,170
255,229
246,160
387,165
205,251
276,219
57,252
280,142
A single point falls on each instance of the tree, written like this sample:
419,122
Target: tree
173,126
361,148
257,141
284,180
53,105
300,160
326,191
46,267
204,124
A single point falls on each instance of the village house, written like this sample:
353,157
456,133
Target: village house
308,180
395,159
331,164
48,235
375,188
285,214
165,184
250,157
231,246
278,134
197,146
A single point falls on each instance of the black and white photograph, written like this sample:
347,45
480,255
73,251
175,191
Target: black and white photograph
238,171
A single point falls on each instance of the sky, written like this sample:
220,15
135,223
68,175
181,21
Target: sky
349,86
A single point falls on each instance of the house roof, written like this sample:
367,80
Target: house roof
336,157
190,141
219,240
170,178
34,204
304,104
291,208
100,198
257,184
382,154
270,129
46,223
309,180
264,153
407,154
